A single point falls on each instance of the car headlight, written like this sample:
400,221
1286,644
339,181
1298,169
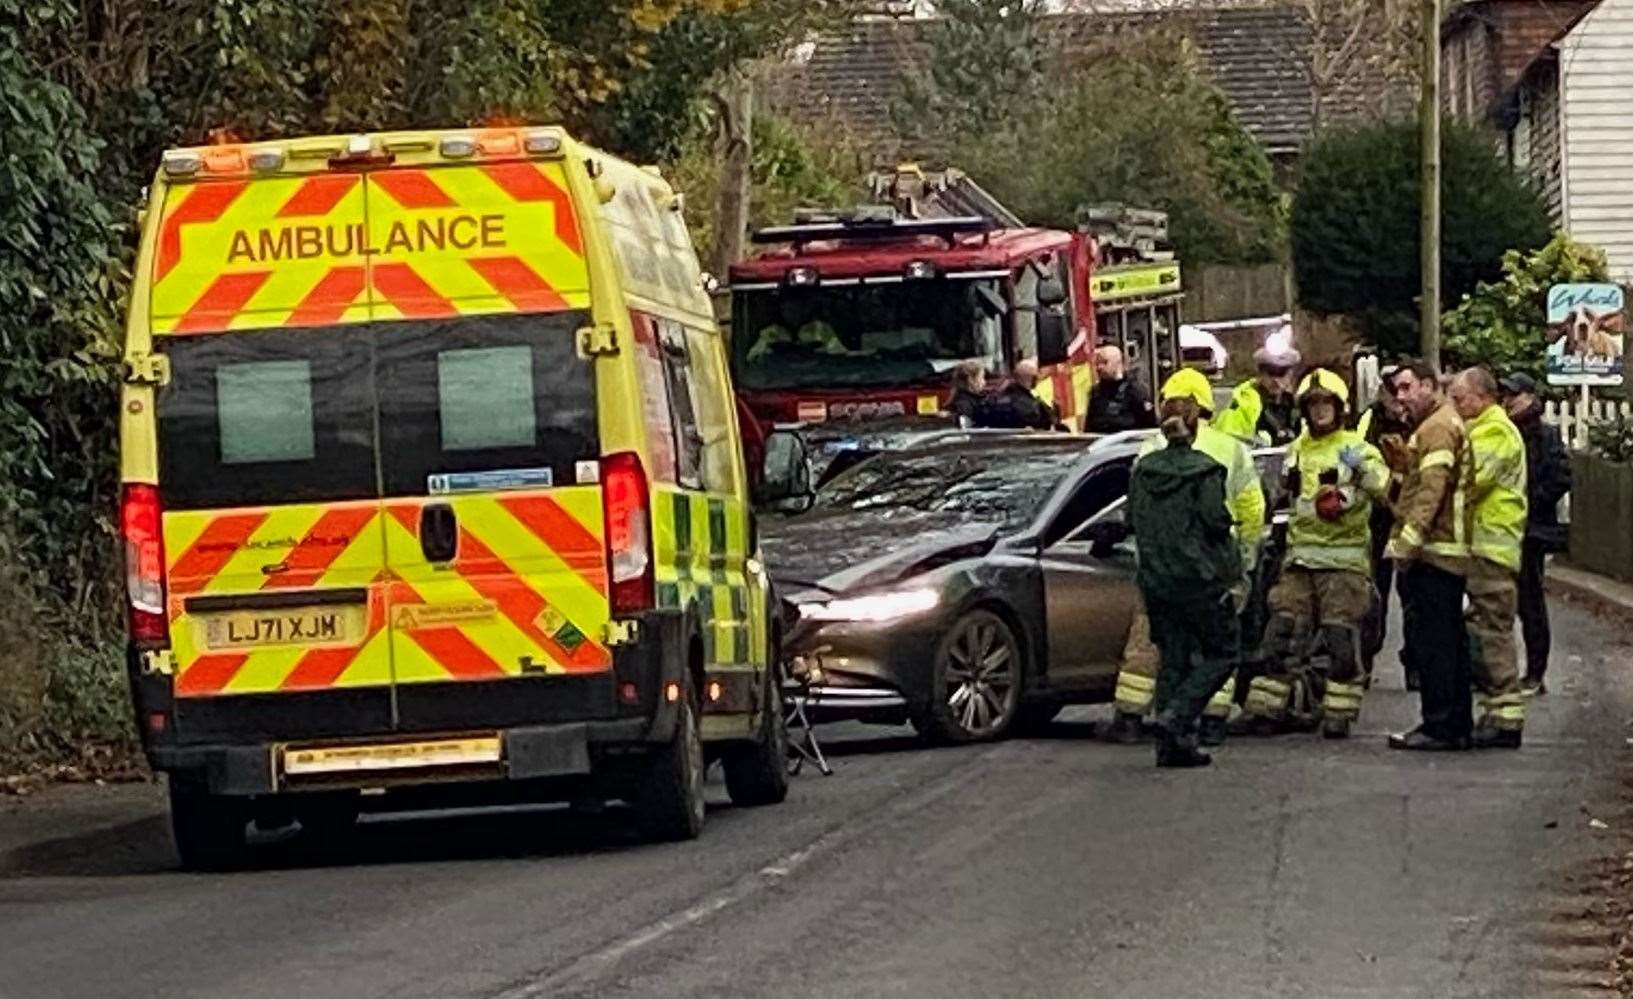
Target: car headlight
874,607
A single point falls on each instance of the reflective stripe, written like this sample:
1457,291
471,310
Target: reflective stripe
1412,536
1504,711
1436,459
1343,699
1134,692
1267,697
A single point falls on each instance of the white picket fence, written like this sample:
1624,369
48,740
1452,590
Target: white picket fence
1573,420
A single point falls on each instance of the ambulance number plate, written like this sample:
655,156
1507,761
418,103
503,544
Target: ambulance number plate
306,626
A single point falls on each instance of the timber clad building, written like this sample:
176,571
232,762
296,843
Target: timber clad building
1553,80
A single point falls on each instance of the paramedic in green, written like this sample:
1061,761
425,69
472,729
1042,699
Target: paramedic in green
1189,569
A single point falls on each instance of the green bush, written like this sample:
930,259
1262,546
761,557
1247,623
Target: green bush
1612,439
1504,324
1354,229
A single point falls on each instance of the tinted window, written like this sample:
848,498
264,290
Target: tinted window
264,416
1005,487
287,416
483,394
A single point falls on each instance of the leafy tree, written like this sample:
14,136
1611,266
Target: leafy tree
1060,135
1504,323
793,166
1355,225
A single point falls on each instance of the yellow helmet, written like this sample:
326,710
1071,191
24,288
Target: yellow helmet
1189,383
1322,380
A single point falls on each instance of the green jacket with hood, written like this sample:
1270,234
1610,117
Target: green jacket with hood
1176,505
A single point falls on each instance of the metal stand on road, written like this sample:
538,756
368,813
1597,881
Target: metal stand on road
803,745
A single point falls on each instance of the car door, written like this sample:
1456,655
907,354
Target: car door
1089,594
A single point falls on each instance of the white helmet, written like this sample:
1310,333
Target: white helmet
1278,351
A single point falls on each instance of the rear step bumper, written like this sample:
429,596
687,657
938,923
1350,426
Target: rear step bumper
529,752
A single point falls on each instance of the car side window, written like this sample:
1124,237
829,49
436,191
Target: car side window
1116,513
1104,486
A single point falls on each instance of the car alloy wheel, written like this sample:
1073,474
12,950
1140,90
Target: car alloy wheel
981,678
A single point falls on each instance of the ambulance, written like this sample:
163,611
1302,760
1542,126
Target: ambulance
433,486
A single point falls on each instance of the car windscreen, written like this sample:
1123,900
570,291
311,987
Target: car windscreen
861,335
1004,487
274,416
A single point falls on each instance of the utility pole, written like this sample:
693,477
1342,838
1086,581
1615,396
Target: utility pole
734,145
1429,181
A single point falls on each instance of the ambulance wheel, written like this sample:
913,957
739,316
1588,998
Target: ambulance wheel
210,829
757,772
669,789
975,682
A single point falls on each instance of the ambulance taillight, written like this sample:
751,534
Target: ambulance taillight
140,516
627,507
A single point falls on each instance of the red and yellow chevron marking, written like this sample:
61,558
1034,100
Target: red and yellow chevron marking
526,590
388,244
312,546
526,593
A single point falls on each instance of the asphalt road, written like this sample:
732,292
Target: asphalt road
1050,867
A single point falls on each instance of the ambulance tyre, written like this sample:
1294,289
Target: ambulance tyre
757,772
669,788
210,829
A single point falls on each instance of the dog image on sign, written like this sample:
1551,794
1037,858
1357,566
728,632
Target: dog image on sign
1586,334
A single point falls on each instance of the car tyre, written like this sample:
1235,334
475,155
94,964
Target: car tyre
975,682
757,771
669,787
210,829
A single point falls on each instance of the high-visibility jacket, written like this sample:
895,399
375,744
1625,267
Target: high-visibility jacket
1432,514
1245,420
1244,493
1498,499
1344,543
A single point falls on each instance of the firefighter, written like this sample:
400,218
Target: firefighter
1498,507
1325,591
1189,571
1262,410
1430,546
1244,500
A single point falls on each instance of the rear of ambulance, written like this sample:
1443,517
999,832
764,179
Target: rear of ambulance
363,500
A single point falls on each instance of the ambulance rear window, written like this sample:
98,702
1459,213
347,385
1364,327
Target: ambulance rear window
271,417
258,417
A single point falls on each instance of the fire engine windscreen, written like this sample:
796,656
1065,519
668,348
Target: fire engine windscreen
865,335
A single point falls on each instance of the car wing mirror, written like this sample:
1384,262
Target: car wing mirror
785,480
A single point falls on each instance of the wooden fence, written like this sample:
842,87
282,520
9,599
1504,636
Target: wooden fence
1573,420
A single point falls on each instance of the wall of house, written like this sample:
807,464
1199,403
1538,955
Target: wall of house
1542,153
1598,132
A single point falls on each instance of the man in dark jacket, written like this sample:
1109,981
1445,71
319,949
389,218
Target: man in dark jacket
1383,425
1189,564
1116,402
1016,407
1547,479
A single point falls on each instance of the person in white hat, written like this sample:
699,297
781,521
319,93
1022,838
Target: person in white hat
1262,410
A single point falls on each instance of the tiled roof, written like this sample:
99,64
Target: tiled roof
1256,54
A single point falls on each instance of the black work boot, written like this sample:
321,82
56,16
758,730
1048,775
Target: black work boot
1532,686
1176,750
1211,730
1492,737
1126,729
1336,726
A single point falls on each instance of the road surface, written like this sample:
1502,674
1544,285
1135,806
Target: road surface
1049,867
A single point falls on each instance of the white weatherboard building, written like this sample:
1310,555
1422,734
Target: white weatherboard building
1596,132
